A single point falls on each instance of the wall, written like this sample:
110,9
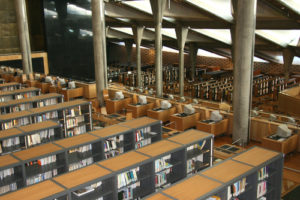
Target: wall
148,56
9,40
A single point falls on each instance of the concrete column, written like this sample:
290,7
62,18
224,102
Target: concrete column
24,35
158,7
138,35
288,57
98,21
243,69
181,34
128,46
232,33
193,59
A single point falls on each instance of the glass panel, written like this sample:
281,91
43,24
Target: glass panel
281,37
143,5
202,52
222,35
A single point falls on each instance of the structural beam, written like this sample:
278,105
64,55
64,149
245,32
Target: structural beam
24,35
243,69
98,21
181,34
158,7
193,59
128,46
138,35
288,57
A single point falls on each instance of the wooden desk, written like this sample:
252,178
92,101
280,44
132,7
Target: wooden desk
183,123
139,110
43,86
215,128
286,146
31,83
89,89
226,151
163,115
71,93
113,106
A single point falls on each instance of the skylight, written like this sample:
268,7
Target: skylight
170,32
220,8
256,59
168,49
124,30
293,4
142,5
222,35
281,37
202,52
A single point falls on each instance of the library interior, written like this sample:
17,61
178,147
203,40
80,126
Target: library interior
149,99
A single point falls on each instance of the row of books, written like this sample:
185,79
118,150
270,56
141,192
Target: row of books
128,192
9,144
214,198
142,143
113,153
73,122
8,188
48,102
9,88
261,189
128,177
76,131
80,164
199,146
6,98
47,160
263,173
161,177
82,149
20,107
237,188
73,112
41,137
113,143
6,172
16,123
142,133
25,95
161,164
46,116
41,177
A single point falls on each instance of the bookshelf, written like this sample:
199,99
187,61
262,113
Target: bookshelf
13,120
41,163
43,132
81,150
116,140
250,175
169,162
19,94
9,86
147,131
75,116
92,182
29,103
198,149
47,190
10,174
133,173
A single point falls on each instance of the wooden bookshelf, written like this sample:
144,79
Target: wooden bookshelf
189,136
7,160
256,156
39,126
20,91
9,84
35,192
136,123
37,151
110,131
158,148
192,188
81,176
10,133
227,171
123,161
158,196
76,140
